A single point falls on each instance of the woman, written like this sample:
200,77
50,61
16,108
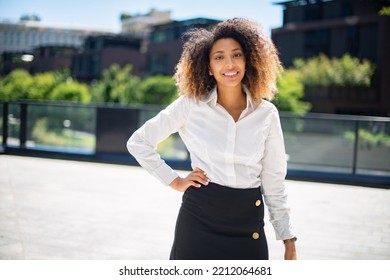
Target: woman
235,142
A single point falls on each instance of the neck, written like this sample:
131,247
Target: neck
230,97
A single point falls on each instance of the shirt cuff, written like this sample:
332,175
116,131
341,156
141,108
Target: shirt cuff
283,229
165,174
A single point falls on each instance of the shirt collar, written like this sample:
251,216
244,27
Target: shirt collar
212,97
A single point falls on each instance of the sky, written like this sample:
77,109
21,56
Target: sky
104,14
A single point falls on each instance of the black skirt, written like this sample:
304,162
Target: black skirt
220,223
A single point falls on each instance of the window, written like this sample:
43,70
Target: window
313,11
158,63
353,40
316,42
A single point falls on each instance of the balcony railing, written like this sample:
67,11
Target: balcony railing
320,147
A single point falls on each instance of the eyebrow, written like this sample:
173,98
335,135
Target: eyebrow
233,50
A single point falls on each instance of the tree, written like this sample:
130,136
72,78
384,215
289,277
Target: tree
290,93
43,84
118,85
124,16
15,85
19,84
385,11
71,91
345,71
158,89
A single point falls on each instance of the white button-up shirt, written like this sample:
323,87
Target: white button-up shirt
245,154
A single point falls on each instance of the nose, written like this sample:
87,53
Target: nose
229,63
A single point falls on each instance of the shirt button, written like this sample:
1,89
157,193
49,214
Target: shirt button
258,202
255,235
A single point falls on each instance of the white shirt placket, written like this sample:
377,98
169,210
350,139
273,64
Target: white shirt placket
229,154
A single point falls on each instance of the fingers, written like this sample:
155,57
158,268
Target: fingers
198,169
200,172
198,177
202,179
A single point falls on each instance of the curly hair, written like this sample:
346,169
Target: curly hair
261,57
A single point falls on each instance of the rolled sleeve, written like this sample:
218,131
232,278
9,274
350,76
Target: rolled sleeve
274,169
143,143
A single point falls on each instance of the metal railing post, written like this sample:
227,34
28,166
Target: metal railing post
355,148
5,123
23,125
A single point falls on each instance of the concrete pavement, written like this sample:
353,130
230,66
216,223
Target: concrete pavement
57,209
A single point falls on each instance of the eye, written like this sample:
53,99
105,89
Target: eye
237,55
219,57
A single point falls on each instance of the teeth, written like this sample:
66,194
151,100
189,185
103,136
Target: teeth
231,74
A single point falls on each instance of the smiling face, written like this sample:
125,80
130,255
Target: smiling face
227,62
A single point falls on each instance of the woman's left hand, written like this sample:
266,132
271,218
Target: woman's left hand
290,252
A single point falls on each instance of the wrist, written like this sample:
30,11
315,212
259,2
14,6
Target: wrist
174,184
290,240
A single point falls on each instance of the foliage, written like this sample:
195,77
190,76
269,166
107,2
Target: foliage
346,71
16,85
62,75
158,89
385,11
71,91
124,16
118,85
19,84
43,135
43,84
80,118
290,93
368,140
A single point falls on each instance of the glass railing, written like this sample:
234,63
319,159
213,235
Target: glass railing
338,144
171,148
51,127
61,128
13,138
1,124
318,144
373,148
314,143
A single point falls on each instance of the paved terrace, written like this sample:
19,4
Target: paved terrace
57,209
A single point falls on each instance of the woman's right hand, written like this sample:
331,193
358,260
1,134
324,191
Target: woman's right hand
196,178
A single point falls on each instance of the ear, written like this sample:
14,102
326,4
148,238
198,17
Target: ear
210,73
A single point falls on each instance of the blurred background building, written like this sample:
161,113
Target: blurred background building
166,43
30,33
152,43
336,27
320,146
140,26
37,47
100,52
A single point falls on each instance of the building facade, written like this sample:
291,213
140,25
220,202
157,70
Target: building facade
42,59
100,52
140,26
336,27
166,44
26,35
157,53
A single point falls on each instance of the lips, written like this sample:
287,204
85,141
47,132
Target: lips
230,74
